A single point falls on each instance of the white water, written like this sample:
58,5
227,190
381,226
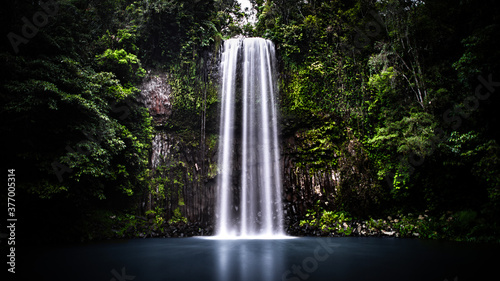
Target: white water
249,186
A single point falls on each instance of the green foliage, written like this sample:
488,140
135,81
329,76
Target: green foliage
175,31
334,221
71,93
318,146
328,221
364,85
407,141
471,149
89,127
125,65
69,104
177,217
465,218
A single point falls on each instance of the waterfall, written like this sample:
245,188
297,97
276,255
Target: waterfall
249,184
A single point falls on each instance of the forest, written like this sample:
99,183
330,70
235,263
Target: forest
109,115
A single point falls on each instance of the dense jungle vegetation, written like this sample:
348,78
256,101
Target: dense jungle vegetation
398,97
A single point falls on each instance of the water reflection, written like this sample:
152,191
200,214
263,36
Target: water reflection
249,260
264,260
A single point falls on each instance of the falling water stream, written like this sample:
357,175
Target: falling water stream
249,187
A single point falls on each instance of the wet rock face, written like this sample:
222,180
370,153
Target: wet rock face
179,164
156,95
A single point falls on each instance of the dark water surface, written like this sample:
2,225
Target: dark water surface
349,258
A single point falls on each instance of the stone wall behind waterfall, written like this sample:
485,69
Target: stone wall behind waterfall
181,177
